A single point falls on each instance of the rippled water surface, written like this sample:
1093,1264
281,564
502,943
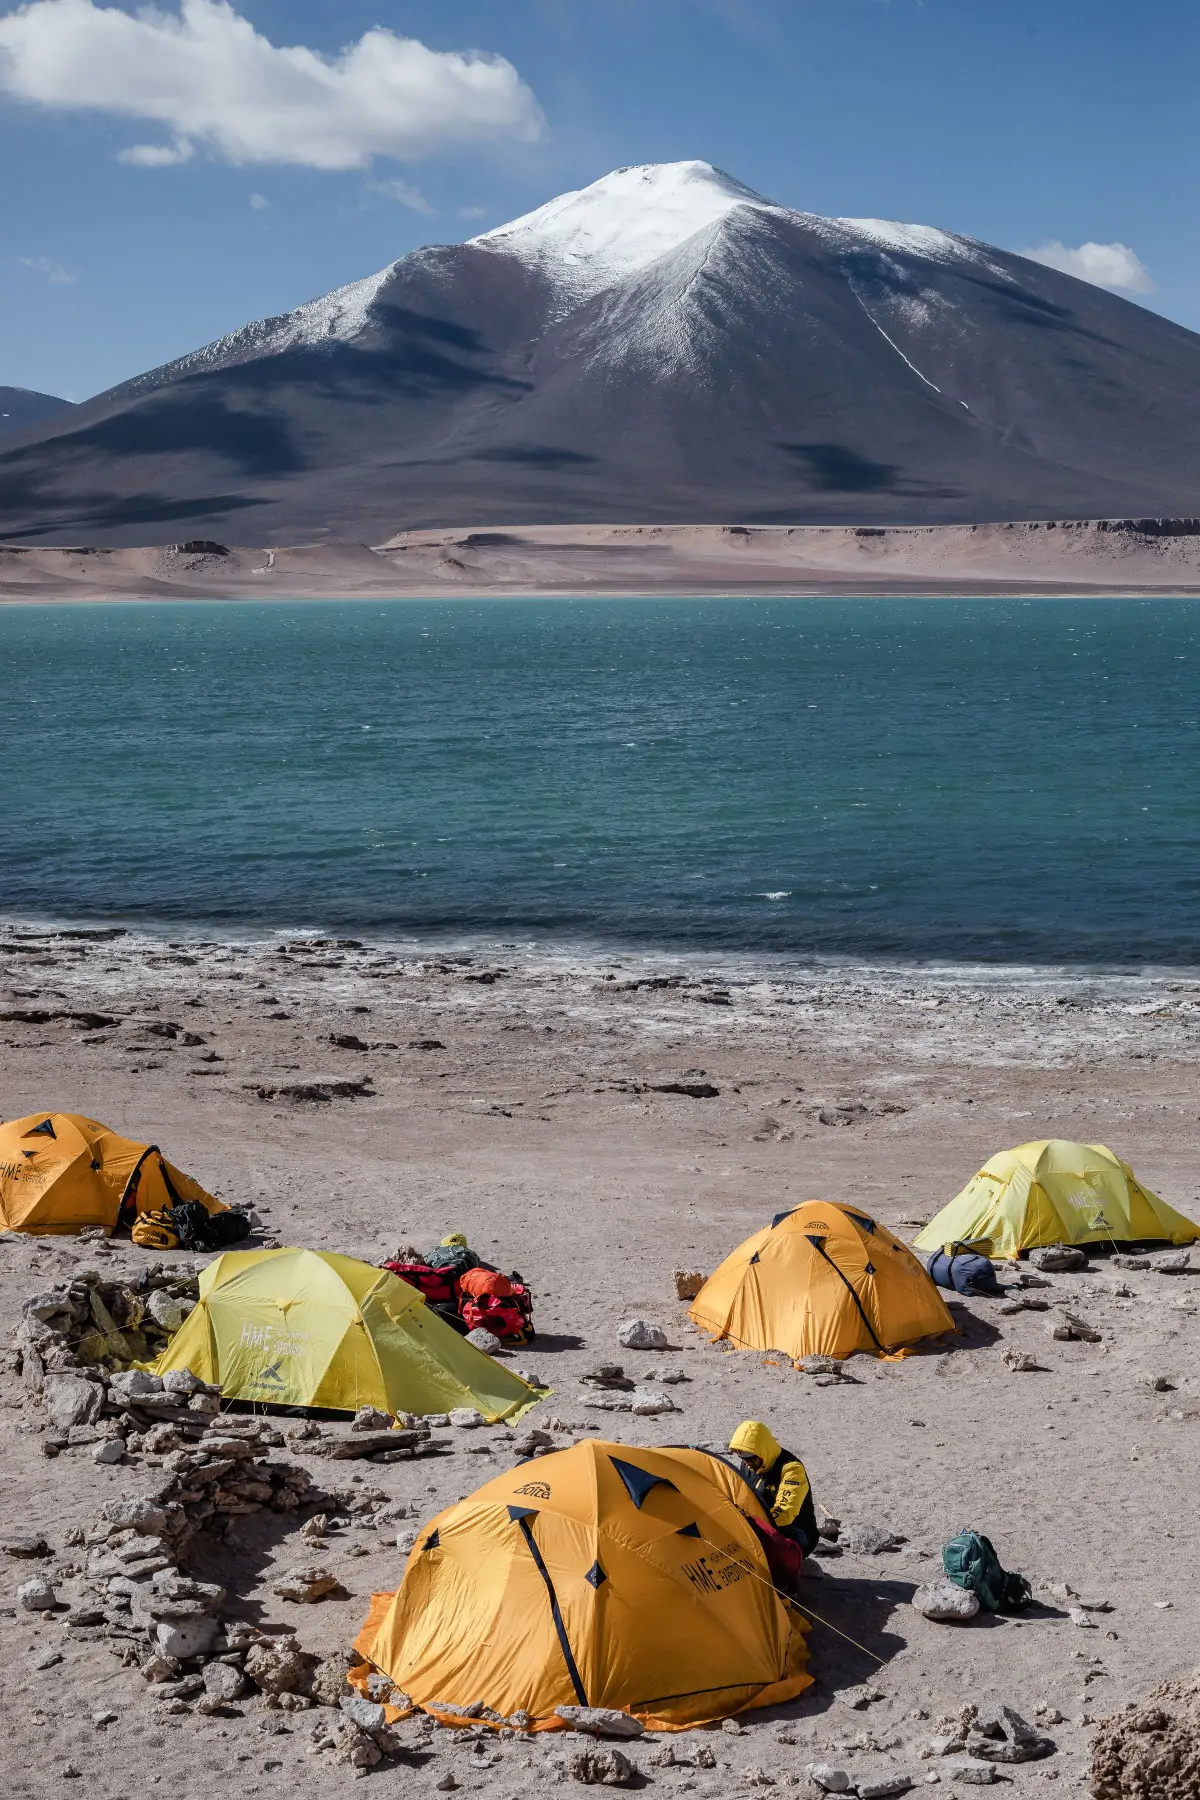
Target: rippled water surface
1004,780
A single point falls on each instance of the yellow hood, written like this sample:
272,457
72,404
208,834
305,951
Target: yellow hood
753,1439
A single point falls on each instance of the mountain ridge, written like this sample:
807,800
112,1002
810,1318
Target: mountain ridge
664,345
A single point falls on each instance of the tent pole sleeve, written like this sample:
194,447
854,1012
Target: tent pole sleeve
556,1613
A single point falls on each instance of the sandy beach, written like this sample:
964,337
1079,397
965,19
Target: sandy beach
1073,556
531,1098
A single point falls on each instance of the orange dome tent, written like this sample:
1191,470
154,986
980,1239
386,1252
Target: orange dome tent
821,1280
60,1173
604,1575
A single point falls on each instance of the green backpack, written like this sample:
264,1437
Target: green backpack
970,1562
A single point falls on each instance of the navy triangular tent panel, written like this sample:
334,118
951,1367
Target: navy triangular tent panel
638,1482
45,1129
521,1512
692,1530
432,1541
595,1575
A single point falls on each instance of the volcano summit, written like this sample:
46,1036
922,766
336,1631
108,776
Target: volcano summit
663,346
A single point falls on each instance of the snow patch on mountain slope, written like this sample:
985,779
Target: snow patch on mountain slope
337,317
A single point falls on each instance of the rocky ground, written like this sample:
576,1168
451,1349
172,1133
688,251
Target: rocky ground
597,1123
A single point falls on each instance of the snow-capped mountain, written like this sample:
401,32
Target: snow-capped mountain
663,345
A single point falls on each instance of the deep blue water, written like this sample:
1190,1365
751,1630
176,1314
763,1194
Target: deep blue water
1005,780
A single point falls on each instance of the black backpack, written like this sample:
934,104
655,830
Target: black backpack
198,1229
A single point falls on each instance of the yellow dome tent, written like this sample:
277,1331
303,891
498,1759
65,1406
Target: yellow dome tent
60,1173
821,1280
604,1575
310,1328
1054,1192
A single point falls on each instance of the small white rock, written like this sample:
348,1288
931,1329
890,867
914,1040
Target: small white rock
36,1595
466,1418
109,1450
641,1334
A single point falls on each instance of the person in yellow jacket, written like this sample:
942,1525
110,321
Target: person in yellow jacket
780,1480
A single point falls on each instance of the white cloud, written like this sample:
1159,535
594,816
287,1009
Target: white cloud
259,203
472,212
209,78
1104,265
158,156
406,194
53,272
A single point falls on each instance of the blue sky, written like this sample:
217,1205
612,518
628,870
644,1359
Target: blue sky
253,180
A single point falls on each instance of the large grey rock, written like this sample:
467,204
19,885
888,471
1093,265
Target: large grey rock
485,1340
1058,1259
879,1787
608,1768
1175,1262
181,1381
466,1418
223,1683
72,1400
972,1774
601,1721
641,1334
109,1450
182,1638
366,1714
829,1777
135,1384
646,1401
945,1601
167,1311
868,1540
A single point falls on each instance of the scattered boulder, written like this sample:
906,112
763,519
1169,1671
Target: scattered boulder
306,1586
601,1721
641,1334
36,1595
136,1384
1175,1262
25,1544
608,1768
369,1418
1058,1259
647,1401
72,1400
466,1418
972,1774
1120,1260
688,1283
109,1450
1000,1735
1020,1362
608,1375
1152,1752
279,1667
829,1778
182,1638
1070,1327
485,1340
879,1787
945,1601
168,1312
223,1683
868,1540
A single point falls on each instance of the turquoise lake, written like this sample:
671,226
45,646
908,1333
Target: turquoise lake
972,780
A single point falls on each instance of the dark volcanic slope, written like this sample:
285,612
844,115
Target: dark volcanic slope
663,347
22,407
